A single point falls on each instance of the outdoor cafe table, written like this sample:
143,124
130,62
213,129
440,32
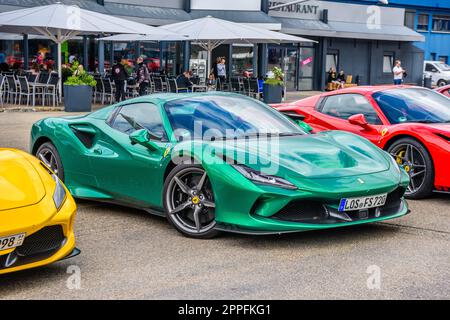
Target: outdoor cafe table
199,87
43,86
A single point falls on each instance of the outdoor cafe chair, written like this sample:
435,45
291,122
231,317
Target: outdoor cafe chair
236,85
254,88
43,77
159,87
98,90
2,88
13,91
31,77
173,86
108,92
25,91
51,91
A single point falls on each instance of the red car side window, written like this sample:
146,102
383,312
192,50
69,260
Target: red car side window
343,106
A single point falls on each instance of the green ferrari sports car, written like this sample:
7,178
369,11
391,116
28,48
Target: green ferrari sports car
214,162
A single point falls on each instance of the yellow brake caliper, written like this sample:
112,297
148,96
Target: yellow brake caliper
399,160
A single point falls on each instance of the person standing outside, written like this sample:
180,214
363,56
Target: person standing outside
143,76
398,72
119,75
222,72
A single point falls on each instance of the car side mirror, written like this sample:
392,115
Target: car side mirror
434,70
359,120
304,126
143,137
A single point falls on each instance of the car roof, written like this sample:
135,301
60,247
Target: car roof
166,97
371,89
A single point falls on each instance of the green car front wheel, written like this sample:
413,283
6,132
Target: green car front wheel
189,201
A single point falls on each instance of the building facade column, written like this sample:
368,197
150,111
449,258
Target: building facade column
263,52
101,56
255,61
321,72
186,54
162,65
85,52
230,63
26,52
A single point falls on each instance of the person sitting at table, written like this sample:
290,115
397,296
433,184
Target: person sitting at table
341,79
35,69
184,81
332,82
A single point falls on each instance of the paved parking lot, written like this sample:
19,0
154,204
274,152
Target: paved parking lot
128,253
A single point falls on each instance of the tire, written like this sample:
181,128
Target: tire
48,154
185,197
422,184
441,83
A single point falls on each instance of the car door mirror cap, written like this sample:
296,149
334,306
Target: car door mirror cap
143,138
305,126
359,120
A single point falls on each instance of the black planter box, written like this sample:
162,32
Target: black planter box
272,94
77,98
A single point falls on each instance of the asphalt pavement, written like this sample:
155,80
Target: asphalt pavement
130,254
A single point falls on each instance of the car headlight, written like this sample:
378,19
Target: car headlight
261,178
60,193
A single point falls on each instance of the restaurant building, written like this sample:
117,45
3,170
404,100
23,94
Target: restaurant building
429,18
360,39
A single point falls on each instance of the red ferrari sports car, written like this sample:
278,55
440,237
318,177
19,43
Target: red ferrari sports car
445,90
411,123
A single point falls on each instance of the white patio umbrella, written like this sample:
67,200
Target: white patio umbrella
210,32
143,38
60,23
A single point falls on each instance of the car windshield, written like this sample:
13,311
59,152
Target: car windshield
443,66
413,105
226,117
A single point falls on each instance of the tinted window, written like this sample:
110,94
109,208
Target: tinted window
137,116
413,105
346,105
429,67
226,117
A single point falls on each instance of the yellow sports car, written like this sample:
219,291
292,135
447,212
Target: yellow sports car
36,213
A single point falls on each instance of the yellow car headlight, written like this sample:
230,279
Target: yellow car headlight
60,193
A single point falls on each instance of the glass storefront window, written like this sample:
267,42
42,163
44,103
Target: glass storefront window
172,62
151,51
306,68
242,60
11,52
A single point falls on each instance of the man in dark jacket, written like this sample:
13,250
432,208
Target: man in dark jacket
119,75
143,76
184,82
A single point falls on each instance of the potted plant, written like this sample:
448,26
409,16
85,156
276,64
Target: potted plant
273,86
78,90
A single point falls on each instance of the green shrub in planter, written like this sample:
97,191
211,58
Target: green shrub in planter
273,87
78,90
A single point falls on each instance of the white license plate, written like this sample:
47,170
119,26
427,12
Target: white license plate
11,241
361,203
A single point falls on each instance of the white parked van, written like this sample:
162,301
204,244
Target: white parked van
439,72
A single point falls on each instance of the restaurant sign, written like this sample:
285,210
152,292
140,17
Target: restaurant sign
306,10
